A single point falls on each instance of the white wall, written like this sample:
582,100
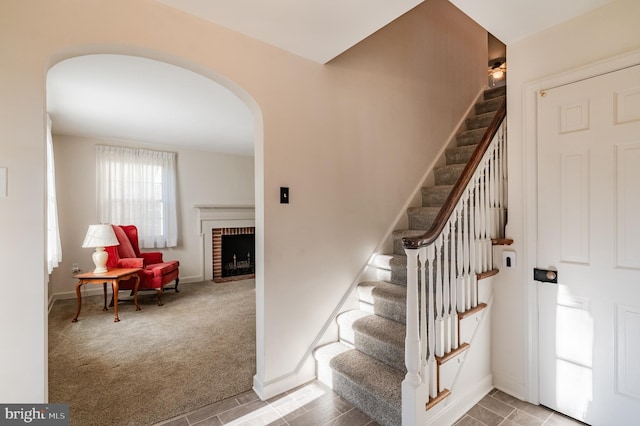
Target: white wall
202,178
606,32
350,138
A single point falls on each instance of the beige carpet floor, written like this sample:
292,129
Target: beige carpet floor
157,363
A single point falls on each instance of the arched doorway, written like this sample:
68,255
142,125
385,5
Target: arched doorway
94,102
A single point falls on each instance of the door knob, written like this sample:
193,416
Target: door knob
545,275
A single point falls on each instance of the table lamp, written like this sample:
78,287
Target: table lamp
100,236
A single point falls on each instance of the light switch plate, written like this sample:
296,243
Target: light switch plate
509,259
284,195
3,181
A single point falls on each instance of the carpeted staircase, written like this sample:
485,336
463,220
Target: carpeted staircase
367,365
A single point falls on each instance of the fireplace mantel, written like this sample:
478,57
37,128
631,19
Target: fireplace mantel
211,217
225,216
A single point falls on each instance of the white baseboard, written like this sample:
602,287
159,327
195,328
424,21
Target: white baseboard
271,388
92,290
191,279
50,303
510,385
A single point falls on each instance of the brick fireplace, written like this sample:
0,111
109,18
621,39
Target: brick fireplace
234,220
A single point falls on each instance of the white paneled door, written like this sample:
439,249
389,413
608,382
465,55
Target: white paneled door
589,232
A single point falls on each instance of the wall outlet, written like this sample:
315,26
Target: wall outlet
75,268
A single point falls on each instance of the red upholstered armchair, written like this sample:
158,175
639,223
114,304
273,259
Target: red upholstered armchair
155,273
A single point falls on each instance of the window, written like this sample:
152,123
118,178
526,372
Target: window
54,247
138,187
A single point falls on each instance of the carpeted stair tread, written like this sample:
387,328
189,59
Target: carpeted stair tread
392,268
424,209
371,290
448,175
381,338
479,121
495,92
385,299
491,104
372,386
389,261
459,154
323,356
435,196
470,137
326,353
422,217
399,261
345,323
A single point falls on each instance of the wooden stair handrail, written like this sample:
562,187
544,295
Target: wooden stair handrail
458,190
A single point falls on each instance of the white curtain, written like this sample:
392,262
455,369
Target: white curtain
138,187
54,248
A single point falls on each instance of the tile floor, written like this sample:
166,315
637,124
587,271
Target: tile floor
307,405
314,404
501,409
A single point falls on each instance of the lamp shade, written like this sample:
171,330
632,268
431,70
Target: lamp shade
100,236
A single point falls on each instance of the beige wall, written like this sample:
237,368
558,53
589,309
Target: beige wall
604,33
351,139
203,178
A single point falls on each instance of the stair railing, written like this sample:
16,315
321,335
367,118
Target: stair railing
447,258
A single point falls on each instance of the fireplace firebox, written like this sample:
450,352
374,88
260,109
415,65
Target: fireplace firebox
233,254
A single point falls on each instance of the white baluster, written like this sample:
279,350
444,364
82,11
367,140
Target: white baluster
430,306
487,206
439,330
472,253
453,280
496,183
498,186
462,303
477,217
446,289
466,255
503,179
490,195
425,332
483,218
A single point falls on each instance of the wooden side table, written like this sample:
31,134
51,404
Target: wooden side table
113,276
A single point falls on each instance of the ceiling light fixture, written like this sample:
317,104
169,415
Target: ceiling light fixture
497,71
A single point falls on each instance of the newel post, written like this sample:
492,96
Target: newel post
414,388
